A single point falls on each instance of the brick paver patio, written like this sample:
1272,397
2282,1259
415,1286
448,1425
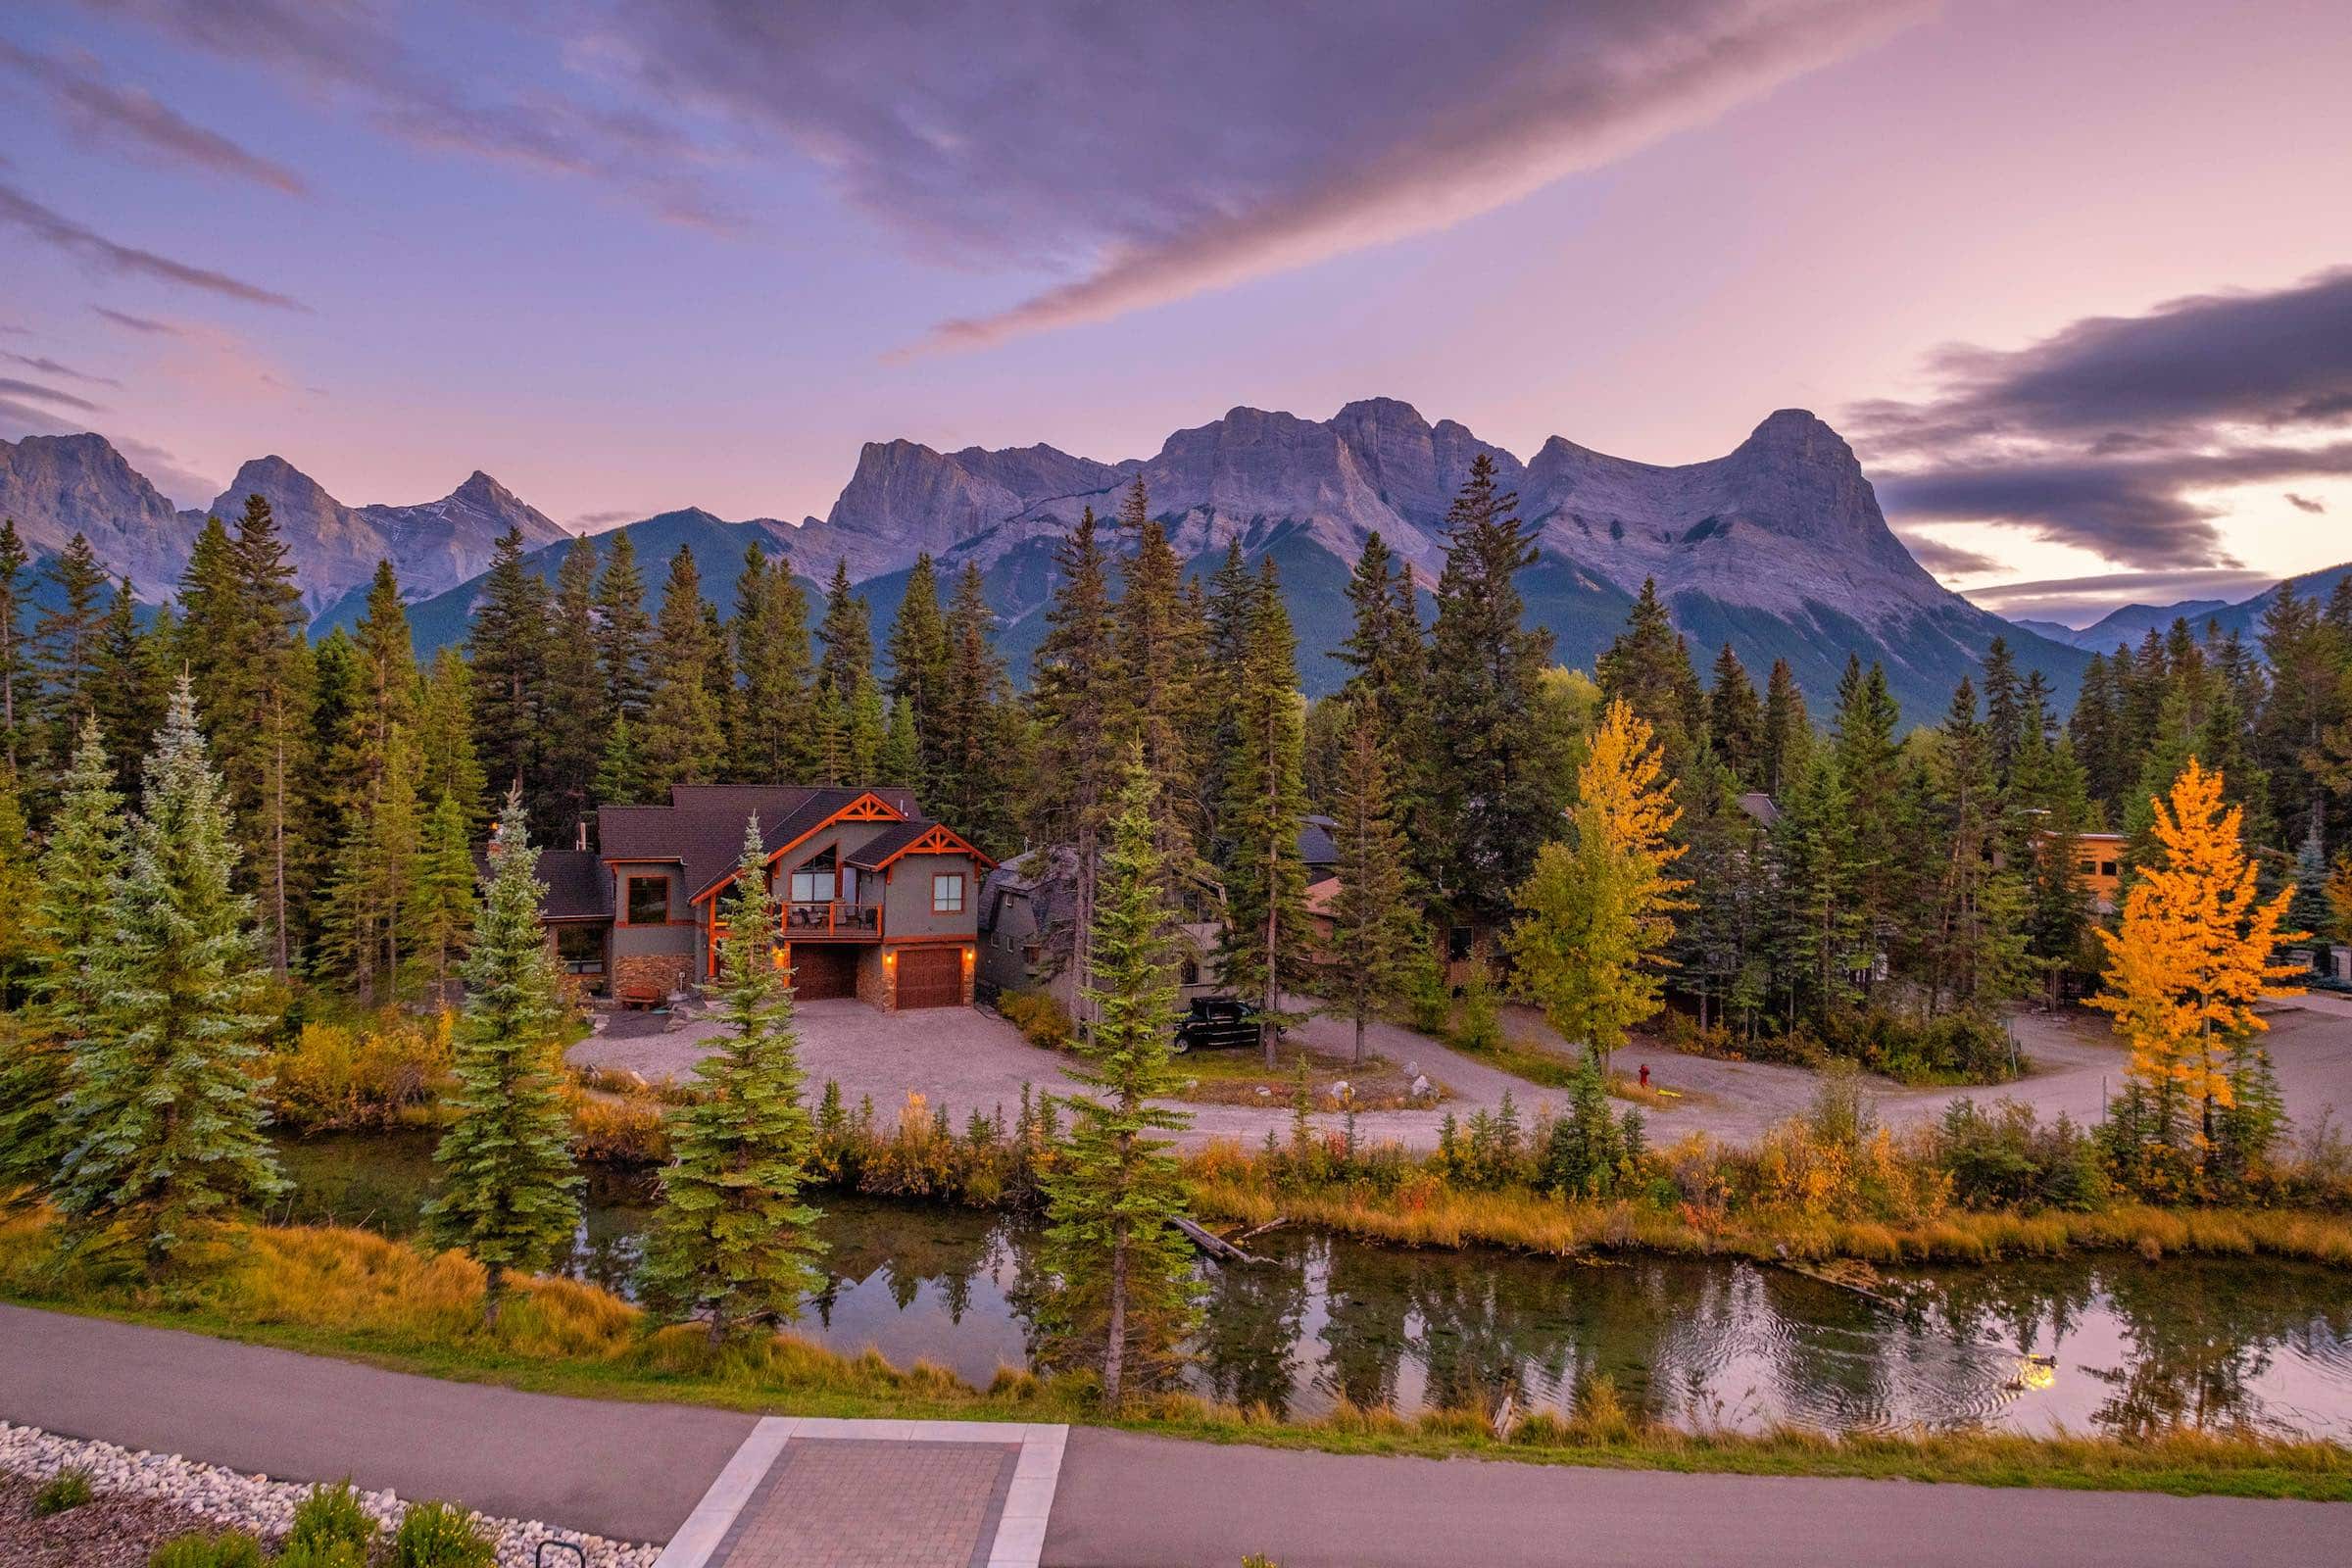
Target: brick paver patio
805,1492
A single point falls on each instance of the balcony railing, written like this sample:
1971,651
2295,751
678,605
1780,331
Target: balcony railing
833,917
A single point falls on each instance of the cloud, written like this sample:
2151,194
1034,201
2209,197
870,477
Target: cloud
1948,560
2080,601
1147,152
9,385
348,51
23,419
2305,503
105,111
140,323
2112,434
595,521
62,233
179,484
49,367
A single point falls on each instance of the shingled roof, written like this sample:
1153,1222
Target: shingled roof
701,829
577,888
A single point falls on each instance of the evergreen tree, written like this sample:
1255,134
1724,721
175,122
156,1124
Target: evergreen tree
1599,909
508,1191
71,903
2057,916
846,633
2004,711
1159,643
1263,949
624,632
900,760
576,718
128,697
507,649
1735,720
445,737
1787,732
70,637
682,742
371,895
1649,667
259,712
165,1120
442,913
1124,1270
733,1241
15,667
1493,804
1815,865
918,646
771,650
975,762
866,731
1870,765
1977,948
1074,687
18,923
1375,935
620,772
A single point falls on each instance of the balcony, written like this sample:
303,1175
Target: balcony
833,920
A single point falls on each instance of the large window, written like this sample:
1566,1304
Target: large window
813,883
649,901
947,893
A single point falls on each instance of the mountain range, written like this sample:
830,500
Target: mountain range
2125,628
1777,548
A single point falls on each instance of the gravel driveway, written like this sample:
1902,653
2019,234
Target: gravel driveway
963,1058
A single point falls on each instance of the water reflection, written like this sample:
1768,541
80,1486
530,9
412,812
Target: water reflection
2138,1347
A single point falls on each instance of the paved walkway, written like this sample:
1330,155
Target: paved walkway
731,1488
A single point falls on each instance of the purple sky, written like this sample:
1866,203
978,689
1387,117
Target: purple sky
2068,273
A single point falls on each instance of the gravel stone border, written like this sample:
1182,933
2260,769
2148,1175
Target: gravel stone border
259,1504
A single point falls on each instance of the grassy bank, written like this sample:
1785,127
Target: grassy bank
354,1295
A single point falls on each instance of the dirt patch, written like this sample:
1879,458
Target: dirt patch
106,1532
1241,1078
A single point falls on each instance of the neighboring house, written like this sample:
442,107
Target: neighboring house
1028,919
1317,848
875,901
2098,861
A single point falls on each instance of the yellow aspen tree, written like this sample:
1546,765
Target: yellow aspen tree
2196,950
1598,909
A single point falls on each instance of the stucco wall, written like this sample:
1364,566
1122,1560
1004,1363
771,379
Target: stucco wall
907,905
634,941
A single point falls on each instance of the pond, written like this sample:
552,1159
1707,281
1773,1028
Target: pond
2137,1347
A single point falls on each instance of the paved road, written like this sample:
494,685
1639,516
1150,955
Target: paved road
635,1471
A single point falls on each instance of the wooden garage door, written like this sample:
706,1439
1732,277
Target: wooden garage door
930,977
820,972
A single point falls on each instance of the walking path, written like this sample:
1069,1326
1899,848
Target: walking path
730,1491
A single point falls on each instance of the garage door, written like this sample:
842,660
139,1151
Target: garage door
820,972
930,977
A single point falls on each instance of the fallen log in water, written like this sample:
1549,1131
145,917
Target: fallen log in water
1215,1245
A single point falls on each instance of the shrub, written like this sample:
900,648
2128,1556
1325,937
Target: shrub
70,1488
389,1068
441,1535
1041,1020
1478,1025
331,1516
619,1130
322,1554
228,1548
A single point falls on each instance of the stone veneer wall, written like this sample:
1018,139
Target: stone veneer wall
874,986
644,971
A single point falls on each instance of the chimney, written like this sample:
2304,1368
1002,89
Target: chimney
579,839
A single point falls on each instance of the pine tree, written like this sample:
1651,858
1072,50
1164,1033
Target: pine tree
733,1241
1493,804
508,1191
1599,907
165,1120
682,742
371,895
1787,732
1870,765
1820,923
2057,916
771,650
445,737
865,730
68,902
1074,688
574,693
70,637
974,768
128,697
918,646
442,913
2004,711
18,943
1114,1188
625,633
1649,667
2195,955
507,650
847,636
1159,644
1375,935
1263,949
14,666
1977,947
620,772
1735,720
900,760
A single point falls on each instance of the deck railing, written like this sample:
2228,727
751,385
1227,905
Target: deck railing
832,918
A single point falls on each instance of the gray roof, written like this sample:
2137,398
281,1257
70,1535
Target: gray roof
701,829
577,888
1758,805
1316,844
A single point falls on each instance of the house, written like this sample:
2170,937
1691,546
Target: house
2098,861
875,901
1028,919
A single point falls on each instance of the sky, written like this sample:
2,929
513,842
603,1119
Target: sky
2074,277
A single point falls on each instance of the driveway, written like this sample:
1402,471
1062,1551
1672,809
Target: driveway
964,1060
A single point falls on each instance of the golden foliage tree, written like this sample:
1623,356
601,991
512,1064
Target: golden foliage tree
1598,910
2196,951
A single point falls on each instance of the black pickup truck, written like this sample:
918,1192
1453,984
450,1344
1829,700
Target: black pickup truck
1217,1022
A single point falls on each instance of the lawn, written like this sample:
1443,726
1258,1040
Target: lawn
1241,1078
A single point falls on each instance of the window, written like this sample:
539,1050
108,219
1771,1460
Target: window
2106,868
2087,867
947,893
814,882
649,901
580,949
